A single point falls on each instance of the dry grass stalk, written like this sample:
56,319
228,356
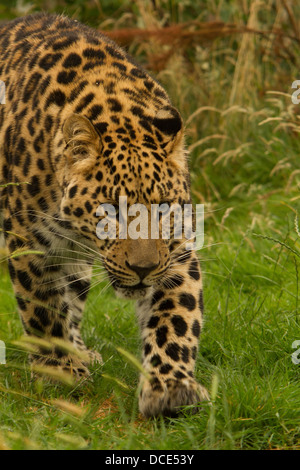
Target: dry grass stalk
183,35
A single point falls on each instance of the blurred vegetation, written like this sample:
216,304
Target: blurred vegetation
228,67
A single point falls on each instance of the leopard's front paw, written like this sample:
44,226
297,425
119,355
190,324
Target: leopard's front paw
158,397
58,358
60,368
94,357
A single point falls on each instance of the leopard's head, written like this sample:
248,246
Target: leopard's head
114,180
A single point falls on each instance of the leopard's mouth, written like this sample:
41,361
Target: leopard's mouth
138,286
137,291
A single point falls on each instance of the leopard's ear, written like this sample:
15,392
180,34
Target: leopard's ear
83,143
169,124
168,121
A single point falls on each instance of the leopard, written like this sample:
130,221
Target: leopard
84,124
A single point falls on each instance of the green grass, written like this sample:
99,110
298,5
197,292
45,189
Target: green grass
246,173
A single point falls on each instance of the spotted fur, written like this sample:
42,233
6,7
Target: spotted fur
83,124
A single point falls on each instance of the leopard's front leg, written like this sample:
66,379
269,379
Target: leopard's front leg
170,324
51,289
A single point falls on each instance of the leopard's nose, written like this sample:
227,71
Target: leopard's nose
142,270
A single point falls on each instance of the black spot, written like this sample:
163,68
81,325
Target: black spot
160,93
41,239
57,330
157,157
120,66
101,127
137,111
73,191
156,360
174,281
56,97
196,328
99,176
152,323
64,43
72,60
156,176
121,130
35,326
31,86
201,303
37,141
86,100
188,301
156,297
183,257
92,64
30,127
31,214
65,77
64,310
58,351
88,206
76,91
116,179
161,335
21,303
48,123
43,204
54,363
138,73
179,325
95,111
42,314
44,85
67,210
185,354
78,212
113,52
149,85
165,369
194,270
7,225
155,384
11,269
81,287
42,295
179,375
147,349
24,279
173,351
91,53
33,61
49,60
115,105
41,164
166,304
